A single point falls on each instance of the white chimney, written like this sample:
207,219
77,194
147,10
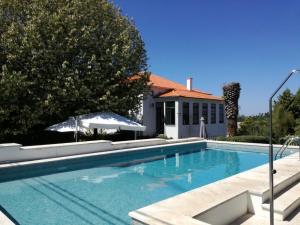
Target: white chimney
189,84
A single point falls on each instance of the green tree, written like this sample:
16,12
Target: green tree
254,126
286,114
295,105
283,122
286,121
60,58
297,127
285,99
290,102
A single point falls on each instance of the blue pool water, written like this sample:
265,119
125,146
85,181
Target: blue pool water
96,194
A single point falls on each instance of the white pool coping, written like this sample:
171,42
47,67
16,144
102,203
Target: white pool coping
119,147
111,151
4,220
102,153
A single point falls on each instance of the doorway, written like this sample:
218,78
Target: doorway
160,121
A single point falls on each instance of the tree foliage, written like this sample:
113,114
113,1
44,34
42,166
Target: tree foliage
295,105
59,58
285,99
286,118
283,122
255,125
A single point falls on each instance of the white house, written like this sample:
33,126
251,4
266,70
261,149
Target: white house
175,110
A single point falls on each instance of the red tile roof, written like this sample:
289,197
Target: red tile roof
190,94
162,82
174,89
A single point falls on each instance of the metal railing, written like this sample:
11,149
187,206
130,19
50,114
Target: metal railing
271,169
290,141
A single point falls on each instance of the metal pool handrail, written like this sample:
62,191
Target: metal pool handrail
287,143
271,169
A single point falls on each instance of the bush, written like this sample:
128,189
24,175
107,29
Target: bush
246,138
122,135
163,136
45,137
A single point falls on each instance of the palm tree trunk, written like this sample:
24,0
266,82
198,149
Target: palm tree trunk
231,127
231,94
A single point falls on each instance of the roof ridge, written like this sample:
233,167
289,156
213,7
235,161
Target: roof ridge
182,87
163,78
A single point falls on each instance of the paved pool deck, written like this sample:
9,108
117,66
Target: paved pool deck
184,208
4,220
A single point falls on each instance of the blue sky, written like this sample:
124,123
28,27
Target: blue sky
252,42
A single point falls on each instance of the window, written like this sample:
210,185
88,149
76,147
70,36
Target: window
213,114
170,113
195,113
186,113
205,112
221,113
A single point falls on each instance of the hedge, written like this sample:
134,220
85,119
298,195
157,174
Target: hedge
246,138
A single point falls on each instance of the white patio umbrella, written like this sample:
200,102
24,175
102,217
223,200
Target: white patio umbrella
99,120
203,133
109,120
70,125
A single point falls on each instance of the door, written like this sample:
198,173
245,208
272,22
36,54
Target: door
160,118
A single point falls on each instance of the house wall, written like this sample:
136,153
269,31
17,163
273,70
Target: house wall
179,130
149,116
191,130
148,110
172,130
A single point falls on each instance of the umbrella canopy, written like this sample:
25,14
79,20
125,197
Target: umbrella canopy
69,125
203,133
109,120
102,120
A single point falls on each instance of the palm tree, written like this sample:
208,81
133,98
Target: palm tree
231,94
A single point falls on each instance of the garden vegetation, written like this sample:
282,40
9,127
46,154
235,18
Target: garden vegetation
286,121
61,58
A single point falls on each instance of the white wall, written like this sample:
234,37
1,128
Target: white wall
149,116
179,130
213,130
149,111
18,153
138,143
171,131
217,129
235,208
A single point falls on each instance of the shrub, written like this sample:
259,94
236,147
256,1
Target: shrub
246,138
163,136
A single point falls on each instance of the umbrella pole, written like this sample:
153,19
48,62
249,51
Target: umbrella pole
76,129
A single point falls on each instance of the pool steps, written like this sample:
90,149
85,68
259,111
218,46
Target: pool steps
286,190
206,205
286,203
249,219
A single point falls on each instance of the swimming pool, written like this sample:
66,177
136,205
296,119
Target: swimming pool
102,190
